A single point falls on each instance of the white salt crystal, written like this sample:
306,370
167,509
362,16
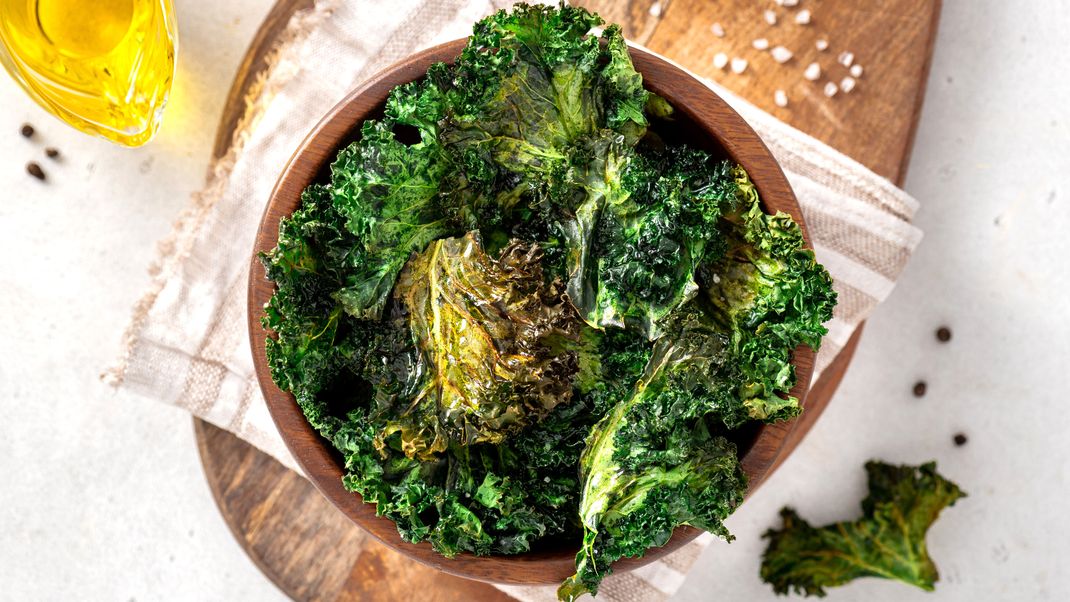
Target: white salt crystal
780,98
739,65
846,58
720,60
789,2
856,71
802,17
655,9
847,84
770,17
813,72
831,89
781,54
717,29
760,43
822,44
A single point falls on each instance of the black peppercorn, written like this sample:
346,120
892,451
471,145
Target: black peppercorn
35,170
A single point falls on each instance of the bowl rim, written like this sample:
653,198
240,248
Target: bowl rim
689,96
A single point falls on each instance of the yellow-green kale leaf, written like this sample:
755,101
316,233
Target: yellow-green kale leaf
888,541
490,335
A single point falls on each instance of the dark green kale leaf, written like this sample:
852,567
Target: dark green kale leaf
770,293
888,541
634,497
531,84
652,464
654,232
390,193
540,111
308,265
763,295
490,335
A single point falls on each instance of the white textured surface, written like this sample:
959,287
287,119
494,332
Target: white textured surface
991,168
102,498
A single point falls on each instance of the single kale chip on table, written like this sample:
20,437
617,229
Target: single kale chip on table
524,320
888,541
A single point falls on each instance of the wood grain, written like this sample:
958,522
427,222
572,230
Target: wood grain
891,39
262,487
302,543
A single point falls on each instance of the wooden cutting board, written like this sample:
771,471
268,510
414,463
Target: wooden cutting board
309,549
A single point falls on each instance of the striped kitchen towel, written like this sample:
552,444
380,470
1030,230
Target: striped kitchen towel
187,342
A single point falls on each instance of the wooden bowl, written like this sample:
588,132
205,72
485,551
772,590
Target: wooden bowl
703,119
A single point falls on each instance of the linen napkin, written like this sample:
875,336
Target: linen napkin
187,340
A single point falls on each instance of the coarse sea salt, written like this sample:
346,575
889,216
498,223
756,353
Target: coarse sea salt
787,2
803,17
781,54
813,72
717,29
780,98
655,9
739,65
846,58
720,60
847,84
856,71
770,17
831,89
760,44
822,44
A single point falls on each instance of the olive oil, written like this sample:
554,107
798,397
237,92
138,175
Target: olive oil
103,66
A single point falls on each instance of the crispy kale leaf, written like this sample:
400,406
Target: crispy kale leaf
888,541
771,295
652,464
541,117
531,84
653,233
502,137
633,498
490,335
392,197
308,265
763,294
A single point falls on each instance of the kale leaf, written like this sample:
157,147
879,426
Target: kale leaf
888,541
724,357
653,233
539,108
768,291
637,491
492,338
391,195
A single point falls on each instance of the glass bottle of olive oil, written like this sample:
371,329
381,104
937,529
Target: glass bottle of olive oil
103,66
